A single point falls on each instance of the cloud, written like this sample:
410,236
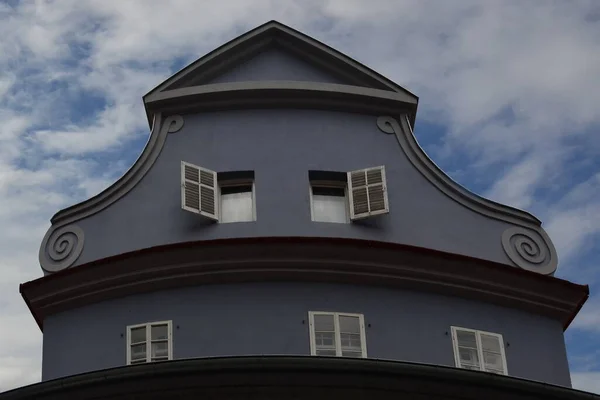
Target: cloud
574,221
589,317
586,381
513,84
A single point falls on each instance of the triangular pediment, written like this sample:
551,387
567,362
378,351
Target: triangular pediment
275,52
276,63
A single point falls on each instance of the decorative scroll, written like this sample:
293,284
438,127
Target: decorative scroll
530,250
388,125
63,242
61,247
174,123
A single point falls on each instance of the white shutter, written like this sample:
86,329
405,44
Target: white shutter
199,190
367,192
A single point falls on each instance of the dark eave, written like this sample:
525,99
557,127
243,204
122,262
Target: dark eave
333,260
282,94
297,377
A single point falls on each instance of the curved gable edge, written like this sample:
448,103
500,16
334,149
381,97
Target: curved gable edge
526,243
64,241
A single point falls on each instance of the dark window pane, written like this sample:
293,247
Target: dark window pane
236,189
138,335
349,324
325,352
160,332
324,323
329,191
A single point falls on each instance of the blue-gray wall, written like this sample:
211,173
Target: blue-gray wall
267,318
281,146
274,65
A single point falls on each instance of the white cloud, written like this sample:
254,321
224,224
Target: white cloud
588,318
586,381
574,222
515,84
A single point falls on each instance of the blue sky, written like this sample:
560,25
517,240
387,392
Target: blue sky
509,94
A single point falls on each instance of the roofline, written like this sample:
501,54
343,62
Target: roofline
283,372
584,298
247,44
336,260
404,130
275,26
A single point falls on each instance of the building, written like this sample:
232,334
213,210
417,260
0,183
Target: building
282,234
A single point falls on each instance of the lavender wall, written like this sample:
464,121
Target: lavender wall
271,318
281,146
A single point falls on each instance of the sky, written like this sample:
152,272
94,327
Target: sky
509,107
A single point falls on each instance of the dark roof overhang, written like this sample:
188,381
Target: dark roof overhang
298,377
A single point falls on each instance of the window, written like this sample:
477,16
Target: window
149,342
479,351
237,202
329,203
337,334
224,197
347,196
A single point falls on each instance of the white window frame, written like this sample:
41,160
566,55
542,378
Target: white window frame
478,334
148,326
332,185
230,183
336,324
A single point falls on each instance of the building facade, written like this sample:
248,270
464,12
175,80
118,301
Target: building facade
283,233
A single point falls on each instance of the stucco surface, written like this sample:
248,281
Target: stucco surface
271,318
281,146
276,64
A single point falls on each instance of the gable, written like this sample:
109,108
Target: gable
267,38
300,100
277,64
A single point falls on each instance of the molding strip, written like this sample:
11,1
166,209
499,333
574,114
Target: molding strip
231,95
532,249
310,259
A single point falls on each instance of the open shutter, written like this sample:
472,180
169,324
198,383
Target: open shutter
367,192
199,190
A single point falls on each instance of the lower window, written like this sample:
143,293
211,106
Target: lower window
149,342
337,334
479,350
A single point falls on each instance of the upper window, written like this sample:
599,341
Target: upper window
237,202
329,202
149,342
345,196
337,334
478,350
223,197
